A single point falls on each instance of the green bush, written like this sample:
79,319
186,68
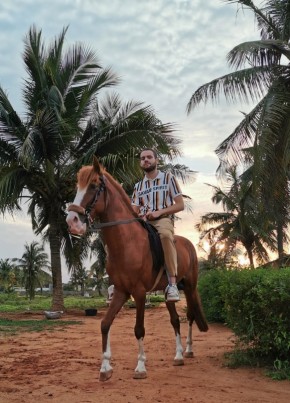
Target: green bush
255,304
209,287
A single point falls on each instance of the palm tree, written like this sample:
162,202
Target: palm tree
116,132
7,275
239,223
35,152
33,263
265,79
65,125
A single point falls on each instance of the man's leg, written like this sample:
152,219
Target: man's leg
165,229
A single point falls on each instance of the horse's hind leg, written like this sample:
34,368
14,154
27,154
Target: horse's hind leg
174,319
140,370
116,304
188,350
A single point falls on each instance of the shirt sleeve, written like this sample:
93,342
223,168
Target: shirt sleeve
174,187
135,200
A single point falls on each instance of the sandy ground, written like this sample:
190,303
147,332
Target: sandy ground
63,366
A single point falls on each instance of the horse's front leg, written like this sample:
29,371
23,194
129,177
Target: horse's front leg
116,304
174,319
140,370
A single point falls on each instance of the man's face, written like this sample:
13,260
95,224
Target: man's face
147,161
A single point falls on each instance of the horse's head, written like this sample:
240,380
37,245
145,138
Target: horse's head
90,188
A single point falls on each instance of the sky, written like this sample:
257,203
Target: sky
163,51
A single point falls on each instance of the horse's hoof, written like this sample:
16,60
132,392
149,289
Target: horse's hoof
104,376
189,354
140,375
178,362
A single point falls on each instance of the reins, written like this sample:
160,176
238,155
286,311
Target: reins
93,227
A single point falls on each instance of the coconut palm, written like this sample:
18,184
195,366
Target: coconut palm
262,74
7,275
240,222
117,131
35,151
33,263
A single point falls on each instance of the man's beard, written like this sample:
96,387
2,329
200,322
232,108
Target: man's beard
150,168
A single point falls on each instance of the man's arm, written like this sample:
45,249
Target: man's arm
175,208
136,209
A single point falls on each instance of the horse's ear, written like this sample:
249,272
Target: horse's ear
96,165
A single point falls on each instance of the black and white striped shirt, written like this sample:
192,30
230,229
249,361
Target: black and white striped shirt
156,194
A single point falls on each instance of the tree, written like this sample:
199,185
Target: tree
33,263
35,152
7,275
66,124
239,222
265,79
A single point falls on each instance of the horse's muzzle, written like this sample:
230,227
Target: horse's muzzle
75,225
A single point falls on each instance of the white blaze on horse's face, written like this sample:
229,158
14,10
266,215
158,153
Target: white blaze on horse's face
76,226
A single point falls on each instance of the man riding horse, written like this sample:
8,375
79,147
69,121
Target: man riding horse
156,198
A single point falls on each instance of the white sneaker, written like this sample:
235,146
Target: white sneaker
171,293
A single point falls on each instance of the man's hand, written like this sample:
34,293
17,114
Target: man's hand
153,215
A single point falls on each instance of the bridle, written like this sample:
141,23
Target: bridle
85,213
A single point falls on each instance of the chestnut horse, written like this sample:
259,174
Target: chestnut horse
130,262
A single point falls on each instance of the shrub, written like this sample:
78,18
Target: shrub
209,287
257,306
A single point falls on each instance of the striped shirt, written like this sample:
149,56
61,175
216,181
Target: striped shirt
156,194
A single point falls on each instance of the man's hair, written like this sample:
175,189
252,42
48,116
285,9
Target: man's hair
149,149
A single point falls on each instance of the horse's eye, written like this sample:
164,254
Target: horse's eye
93,186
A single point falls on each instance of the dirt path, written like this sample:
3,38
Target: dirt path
63,366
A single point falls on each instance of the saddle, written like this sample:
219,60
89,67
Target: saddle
155,245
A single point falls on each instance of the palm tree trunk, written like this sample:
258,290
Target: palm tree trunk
57,293
250,256
280,245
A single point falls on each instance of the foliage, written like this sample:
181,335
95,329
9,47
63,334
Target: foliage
241,221
255,304
32,264
280,370
7,275
260,143
209,286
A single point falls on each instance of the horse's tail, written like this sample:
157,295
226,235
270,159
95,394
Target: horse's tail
194,305
198,314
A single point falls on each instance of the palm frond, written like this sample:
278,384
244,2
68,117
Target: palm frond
244,85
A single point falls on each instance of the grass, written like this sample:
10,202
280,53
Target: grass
19,303
14,303
13,327
278,371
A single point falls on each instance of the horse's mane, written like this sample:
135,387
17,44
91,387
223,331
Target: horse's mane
120,189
